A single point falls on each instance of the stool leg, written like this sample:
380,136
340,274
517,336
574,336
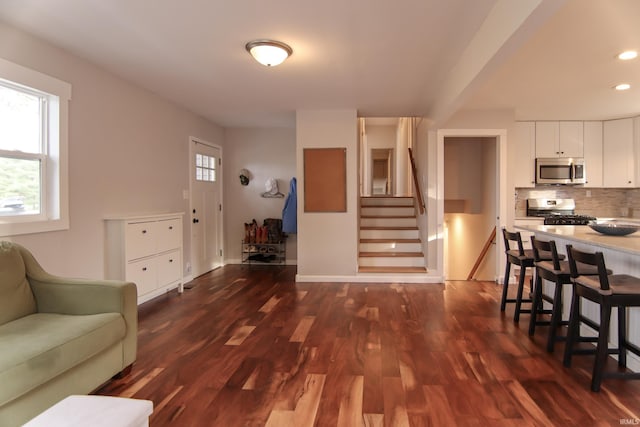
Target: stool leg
622,336
556,316
516,315
535,303
602,349
505,286
573,331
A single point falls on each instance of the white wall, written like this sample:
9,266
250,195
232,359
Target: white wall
128,153
328,241
265,153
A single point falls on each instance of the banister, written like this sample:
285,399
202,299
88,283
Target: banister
416,183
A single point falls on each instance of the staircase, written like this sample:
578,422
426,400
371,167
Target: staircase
389,236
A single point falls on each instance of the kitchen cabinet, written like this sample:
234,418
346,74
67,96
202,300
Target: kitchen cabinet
145,250
593,153
559,139
619,162
525,152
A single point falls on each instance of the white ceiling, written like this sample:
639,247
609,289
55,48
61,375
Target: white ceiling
381,57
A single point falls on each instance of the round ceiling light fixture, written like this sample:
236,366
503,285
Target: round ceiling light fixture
269,52
623,86
627,55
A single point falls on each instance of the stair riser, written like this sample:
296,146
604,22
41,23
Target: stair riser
389,234
368,201
390,247
391,261
388,222
395,211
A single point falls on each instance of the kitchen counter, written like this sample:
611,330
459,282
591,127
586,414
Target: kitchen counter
584,234
621,254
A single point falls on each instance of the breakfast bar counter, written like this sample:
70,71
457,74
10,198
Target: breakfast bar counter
621,254
584,235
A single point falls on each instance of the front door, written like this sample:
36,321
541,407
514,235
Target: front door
206,207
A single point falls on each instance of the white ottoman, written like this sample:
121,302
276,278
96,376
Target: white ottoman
95,411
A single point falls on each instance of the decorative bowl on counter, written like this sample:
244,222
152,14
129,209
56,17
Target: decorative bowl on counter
612,227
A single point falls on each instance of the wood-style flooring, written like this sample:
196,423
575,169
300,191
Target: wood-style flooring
247,346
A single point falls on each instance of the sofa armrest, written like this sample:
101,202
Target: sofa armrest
80,297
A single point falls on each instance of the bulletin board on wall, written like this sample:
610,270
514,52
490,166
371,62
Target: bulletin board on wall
325,179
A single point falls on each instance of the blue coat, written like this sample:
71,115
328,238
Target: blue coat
290,210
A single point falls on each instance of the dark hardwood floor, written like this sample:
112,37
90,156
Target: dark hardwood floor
247,346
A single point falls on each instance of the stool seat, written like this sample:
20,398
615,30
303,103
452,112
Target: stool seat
608,291
523,258
558,272
583,269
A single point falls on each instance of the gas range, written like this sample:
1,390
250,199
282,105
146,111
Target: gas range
557,211
568,219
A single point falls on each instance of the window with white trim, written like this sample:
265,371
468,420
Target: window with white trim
33,151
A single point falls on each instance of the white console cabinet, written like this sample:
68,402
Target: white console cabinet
145,250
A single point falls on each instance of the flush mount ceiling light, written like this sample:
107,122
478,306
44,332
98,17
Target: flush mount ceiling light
269,52
628,54
623,86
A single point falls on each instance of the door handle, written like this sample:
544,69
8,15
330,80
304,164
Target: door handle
196,220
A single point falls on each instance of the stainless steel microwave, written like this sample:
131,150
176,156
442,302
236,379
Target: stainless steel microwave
560,170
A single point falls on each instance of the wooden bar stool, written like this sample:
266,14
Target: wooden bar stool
557,271
517,256
618,290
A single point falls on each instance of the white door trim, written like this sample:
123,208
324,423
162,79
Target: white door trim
192,141
501,183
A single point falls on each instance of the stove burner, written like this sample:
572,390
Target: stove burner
568,219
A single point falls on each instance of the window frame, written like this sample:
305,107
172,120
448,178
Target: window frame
54,177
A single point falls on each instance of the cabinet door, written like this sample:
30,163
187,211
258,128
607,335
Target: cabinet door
618,156
169,234
169,268
144,274
140,240
593,153
525,151
547,139
571,139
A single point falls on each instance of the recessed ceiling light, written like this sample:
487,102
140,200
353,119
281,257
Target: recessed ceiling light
628,54
622,86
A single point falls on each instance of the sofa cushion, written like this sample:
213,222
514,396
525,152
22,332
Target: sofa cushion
16,298
38,347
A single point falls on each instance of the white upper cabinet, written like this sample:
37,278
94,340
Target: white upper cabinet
593,153
525,153
559,139
618,154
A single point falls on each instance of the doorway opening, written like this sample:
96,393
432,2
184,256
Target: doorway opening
384,159
471,206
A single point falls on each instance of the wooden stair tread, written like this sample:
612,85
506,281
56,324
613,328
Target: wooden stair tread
386,206
389,240
385,197
392,254
388,216
387,228
365,269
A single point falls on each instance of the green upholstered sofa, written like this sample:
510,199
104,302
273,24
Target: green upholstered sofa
58,336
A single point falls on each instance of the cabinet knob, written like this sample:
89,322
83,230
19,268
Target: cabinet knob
144,231
170,260
171,227
144,268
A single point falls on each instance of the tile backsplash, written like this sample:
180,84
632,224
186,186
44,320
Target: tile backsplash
598,202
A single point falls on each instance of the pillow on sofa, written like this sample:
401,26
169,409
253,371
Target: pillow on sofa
16,298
